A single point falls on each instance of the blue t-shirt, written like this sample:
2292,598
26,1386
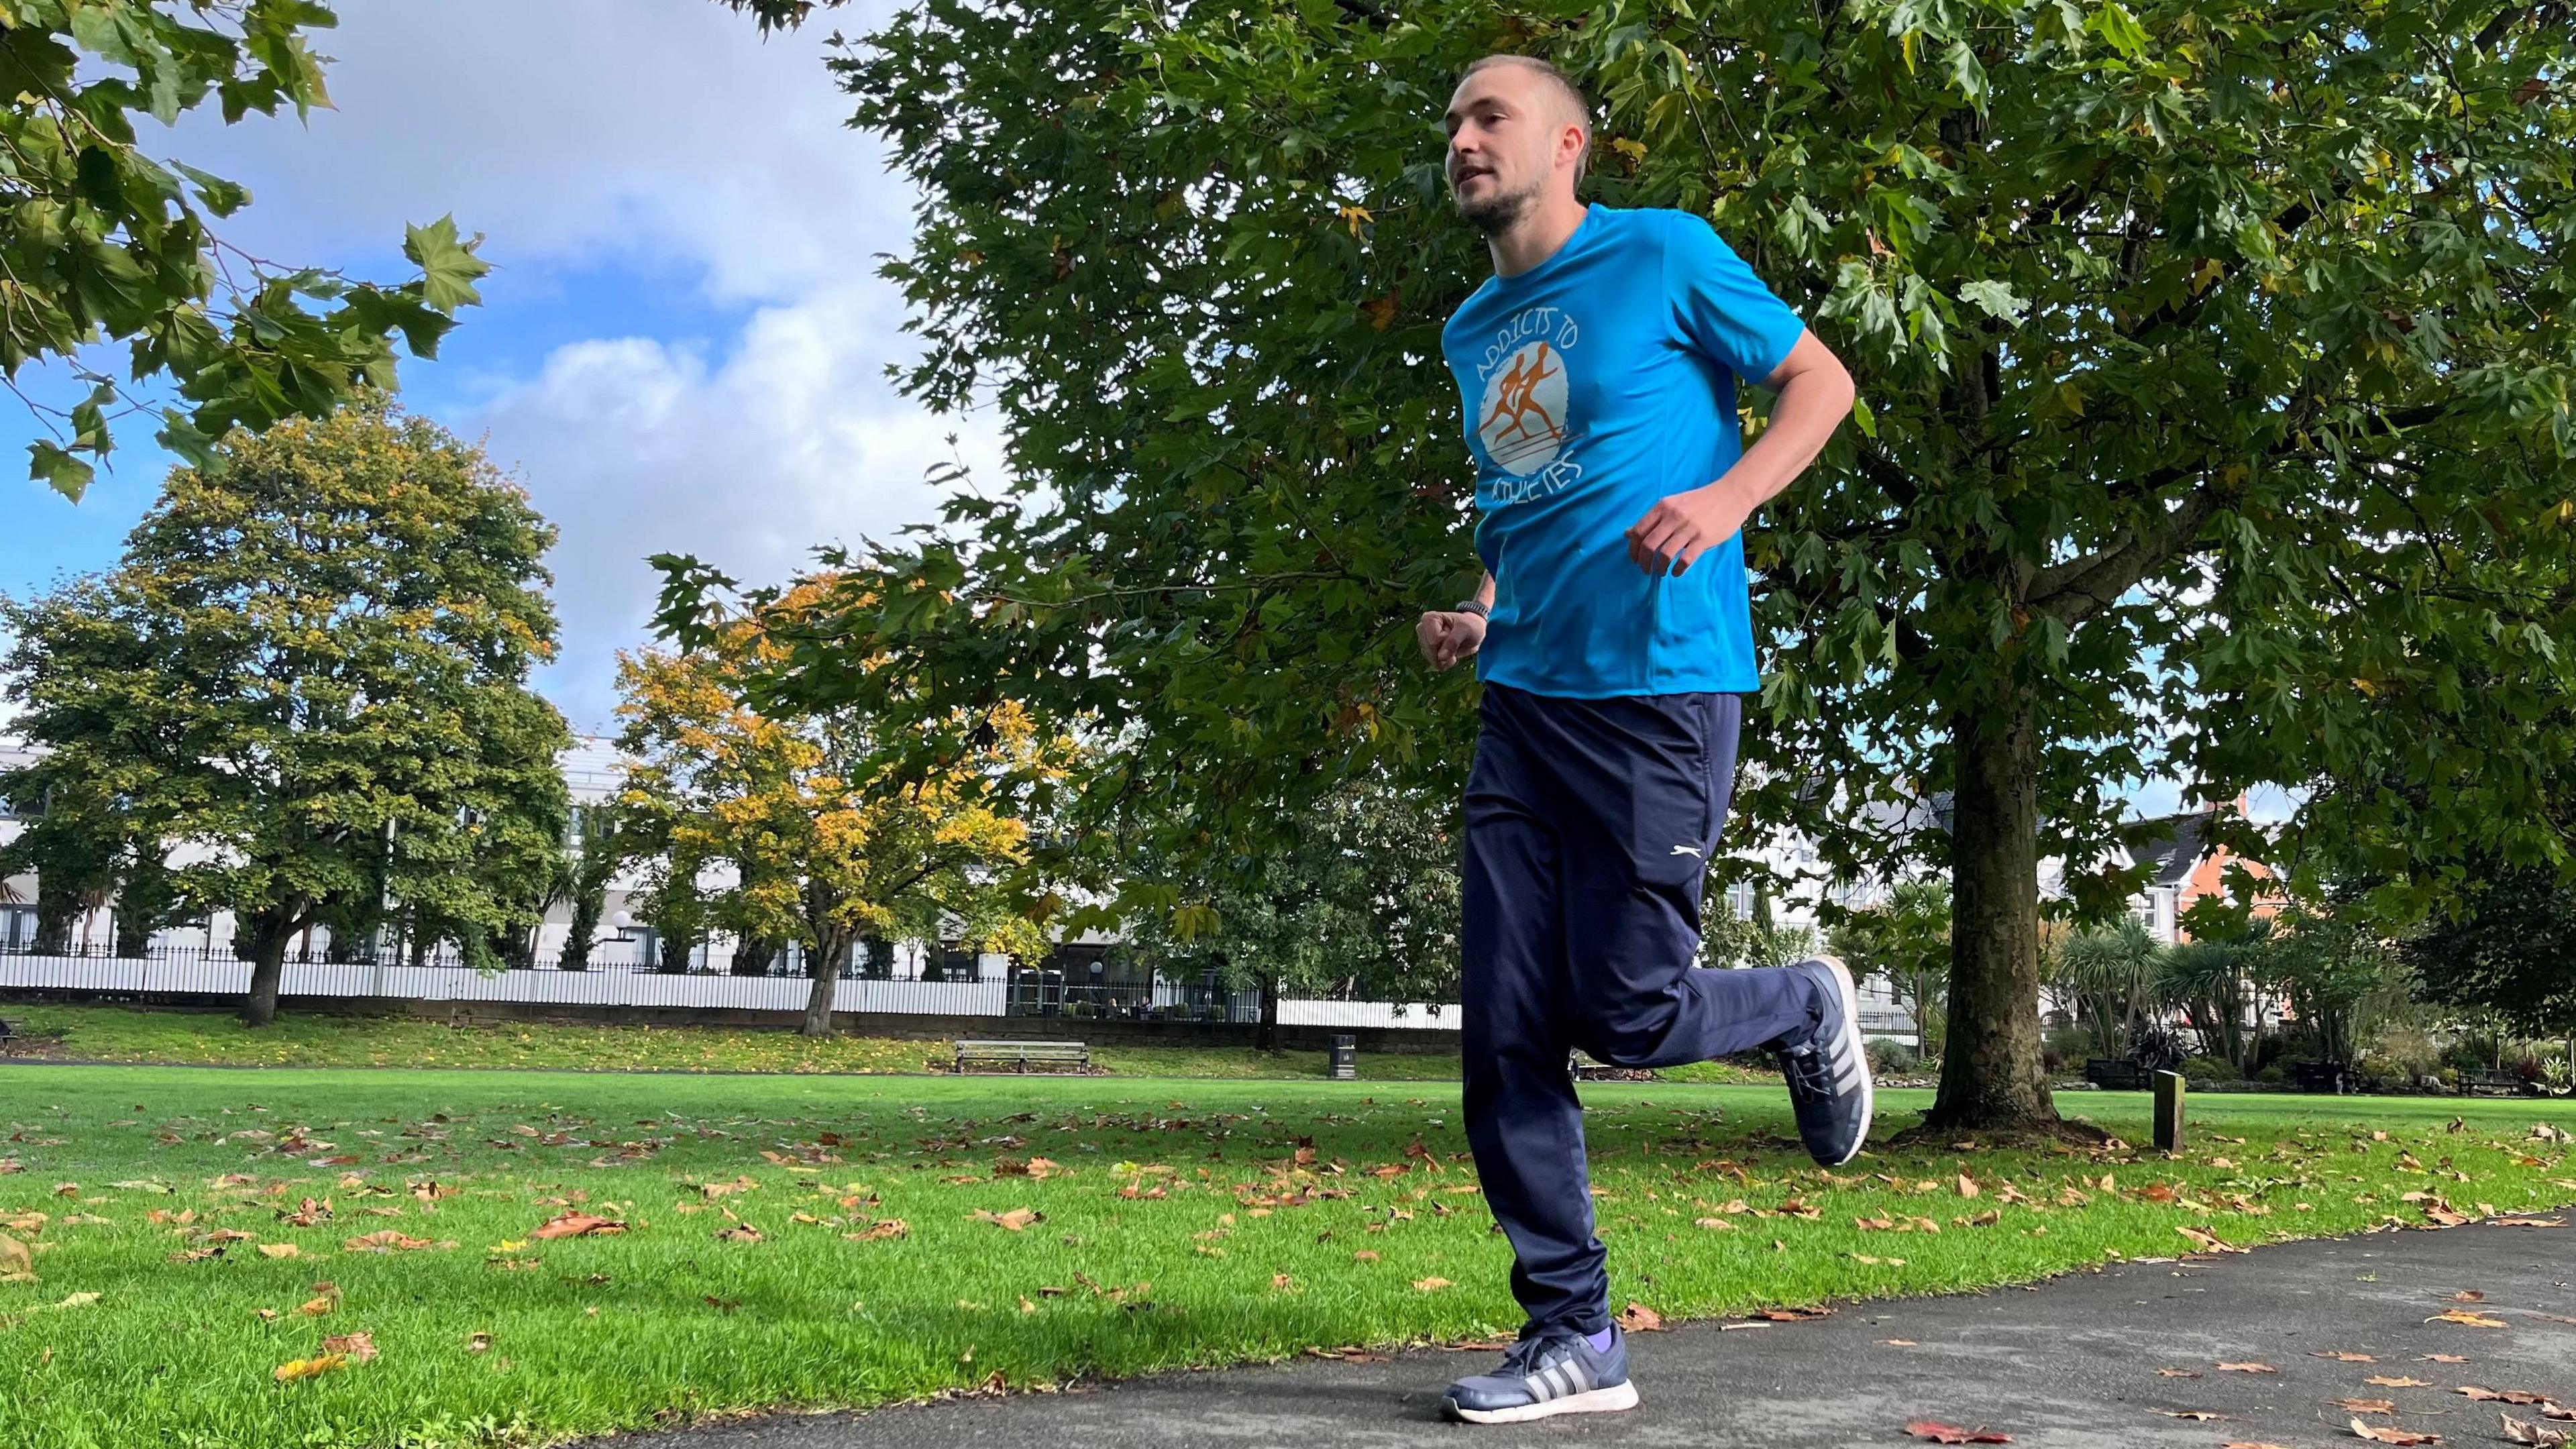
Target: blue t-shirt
1595,384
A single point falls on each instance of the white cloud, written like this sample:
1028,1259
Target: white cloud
658,130
664,138
633,446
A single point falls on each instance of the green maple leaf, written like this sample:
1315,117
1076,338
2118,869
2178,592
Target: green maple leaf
448,267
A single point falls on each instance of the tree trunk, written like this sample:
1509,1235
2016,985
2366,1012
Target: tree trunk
270,936
1267,1038
829,954
57,907
1993,1075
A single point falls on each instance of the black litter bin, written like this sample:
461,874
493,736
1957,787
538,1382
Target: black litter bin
1345,1059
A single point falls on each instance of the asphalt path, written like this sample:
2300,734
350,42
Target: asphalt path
2073,1362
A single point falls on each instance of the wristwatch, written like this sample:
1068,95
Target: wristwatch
1472,606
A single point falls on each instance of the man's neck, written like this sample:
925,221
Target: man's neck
1539,235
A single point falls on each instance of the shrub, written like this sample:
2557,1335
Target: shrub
1892,1058
2157,1047
2065,1048
2276,1074
2407,1055
2207,1069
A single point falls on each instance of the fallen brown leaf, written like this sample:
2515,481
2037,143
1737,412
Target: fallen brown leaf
1429,1285
2385,1382
2473,1320
571,1224
2379,1434
388,1241
357,1347
1014,1220
2341,1357
2521,1431
2364,1406
2443,1357
1638,1318
2247,1368
2168,1373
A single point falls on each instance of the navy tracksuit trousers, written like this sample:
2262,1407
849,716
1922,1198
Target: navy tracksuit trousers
1590,824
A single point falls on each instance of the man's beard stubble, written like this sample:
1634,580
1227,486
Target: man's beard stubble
1497,214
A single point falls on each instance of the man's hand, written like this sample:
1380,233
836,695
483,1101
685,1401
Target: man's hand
1677,530
1448,637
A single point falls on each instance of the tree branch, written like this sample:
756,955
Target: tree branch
2080,587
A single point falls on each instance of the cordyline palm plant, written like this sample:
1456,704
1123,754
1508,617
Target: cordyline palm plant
2108,971
2207,982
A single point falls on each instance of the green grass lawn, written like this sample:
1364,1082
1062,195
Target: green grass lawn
207,1038
1049,1228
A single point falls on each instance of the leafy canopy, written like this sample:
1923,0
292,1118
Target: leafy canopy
796,827
2215,358
327,639
102,242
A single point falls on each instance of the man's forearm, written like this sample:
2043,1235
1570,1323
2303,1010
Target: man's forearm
1485,591
1809,407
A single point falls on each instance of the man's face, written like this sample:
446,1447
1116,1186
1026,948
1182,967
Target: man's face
1503,129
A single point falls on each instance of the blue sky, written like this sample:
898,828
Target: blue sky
682,344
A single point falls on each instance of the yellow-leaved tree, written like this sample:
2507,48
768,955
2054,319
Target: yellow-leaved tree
811,828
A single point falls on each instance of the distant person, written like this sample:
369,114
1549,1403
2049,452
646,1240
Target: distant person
1598,371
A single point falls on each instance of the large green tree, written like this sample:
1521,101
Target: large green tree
308,677
103,242
798,827
2214,356
1362,903
2511,950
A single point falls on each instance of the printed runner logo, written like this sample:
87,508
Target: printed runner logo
1521,421
1523,417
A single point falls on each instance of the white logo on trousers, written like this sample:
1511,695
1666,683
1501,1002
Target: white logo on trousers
1687,850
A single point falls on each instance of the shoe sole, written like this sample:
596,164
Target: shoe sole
1851,1022
1591,1401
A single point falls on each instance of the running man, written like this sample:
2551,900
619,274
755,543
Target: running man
1598,370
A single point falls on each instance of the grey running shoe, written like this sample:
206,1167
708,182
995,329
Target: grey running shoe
1555,1373
1828,1072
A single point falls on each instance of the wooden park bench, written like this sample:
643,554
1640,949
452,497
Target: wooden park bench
1018,1055
2328,1077
2115,1074
2482,1080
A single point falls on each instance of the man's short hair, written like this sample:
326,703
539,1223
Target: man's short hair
1568,93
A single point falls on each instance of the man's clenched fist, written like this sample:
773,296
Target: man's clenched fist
1448,637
